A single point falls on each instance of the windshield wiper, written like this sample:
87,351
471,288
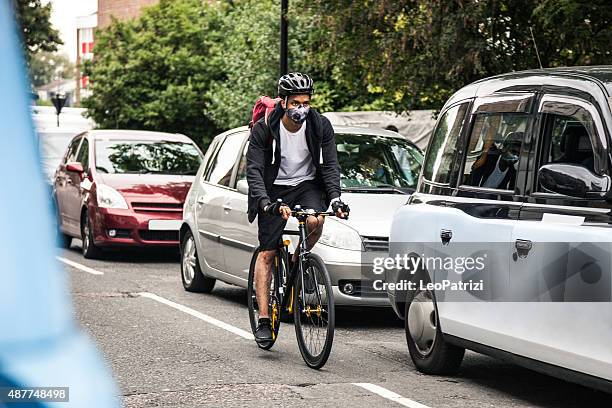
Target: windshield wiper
141,171
402,190
381,188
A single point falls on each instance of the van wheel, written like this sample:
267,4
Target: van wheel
428,350
90,250
191,274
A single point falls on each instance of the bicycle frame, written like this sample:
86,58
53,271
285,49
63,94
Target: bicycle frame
302,216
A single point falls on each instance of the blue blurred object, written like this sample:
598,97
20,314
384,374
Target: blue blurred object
40,344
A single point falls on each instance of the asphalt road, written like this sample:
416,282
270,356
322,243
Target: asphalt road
166,351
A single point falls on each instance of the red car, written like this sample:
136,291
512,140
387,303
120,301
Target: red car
124,188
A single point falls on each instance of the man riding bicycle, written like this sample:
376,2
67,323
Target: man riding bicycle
291,157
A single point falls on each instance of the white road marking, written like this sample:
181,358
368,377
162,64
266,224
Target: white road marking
390,395
208,319
79,266
378,390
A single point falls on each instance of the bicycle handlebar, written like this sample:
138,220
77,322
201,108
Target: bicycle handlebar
298,211
295,213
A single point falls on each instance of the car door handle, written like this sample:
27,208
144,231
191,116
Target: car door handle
523,246
200,200
445,236
227,207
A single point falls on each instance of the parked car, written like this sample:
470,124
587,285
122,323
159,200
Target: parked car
118,188
379,169
52,144
517,171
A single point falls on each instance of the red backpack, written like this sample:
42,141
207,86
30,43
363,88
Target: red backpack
263,107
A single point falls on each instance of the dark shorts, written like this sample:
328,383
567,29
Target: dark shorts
308,194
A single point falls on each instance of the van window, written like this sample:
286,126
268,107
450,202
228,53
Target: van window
569,142
567,136
443,146
494,149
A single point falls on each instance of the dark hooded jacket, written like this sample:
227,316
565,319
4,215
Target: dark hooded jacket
264,156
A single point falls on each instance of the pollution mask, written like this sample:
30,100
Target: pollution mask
299,114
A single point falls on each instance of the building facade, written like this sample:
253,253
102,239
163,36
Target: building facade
86,26
120,9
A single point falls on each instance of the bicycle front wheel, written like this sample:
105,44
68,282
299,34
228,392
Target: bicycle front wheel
314,312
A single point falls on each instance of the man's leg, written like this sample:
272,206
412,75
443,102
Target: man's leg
309,195
270,230
314,228
263,279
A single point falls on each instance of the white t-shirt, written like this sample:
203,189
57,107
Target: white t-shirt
496,177
296,164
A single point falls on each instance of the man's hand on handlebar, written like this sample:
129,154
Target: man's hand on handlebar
285,212
278,208
341,209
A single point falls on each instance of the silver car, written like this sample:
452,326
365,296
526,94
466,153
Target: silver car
379,169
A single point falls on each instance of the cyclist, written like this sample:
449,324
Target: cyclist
291,156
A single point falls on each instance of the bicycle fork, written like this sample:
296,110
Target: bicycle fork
287,298
304,252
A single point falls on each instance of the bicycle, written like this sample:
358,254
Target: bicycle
304,293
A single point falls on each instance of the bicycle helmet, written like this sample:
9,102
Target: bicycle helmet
295,84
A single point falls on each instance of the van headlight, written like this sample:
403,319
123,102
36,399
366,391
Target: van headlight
341,236
108,197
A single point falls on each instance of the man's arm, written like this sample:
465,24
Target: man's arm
256,164
330,170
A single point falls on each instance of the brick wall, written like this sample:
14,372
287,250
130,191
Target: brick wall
120,9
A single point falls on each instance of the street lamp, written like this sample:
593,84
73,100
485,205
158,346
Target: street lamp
59,100
283,40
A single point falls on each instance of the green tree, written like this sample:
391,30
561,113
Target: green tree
248,59
47,66
575,32
409,54
154,72
36,29
197,67
194,67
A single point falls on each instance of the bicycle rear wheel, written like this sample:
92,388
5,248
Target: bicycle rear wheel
314,314
274,304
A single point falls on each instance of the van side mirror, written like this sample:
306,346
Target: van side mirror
75,167
573,180
242,186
